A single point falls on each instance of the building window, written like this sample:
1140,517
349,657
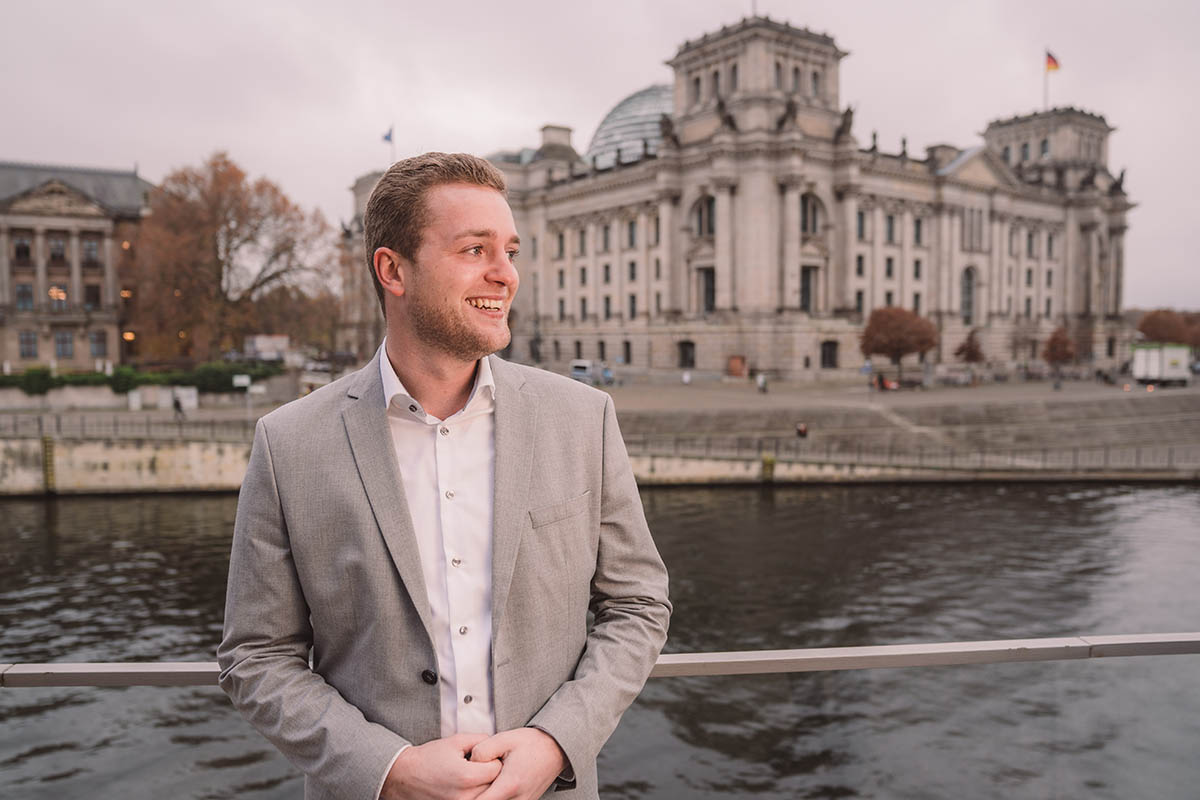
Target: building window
1045,148
58,249
557,350
858,301
91,296
917,231
889,268
657,230
916,302
810,221
716,83
91,253
861,225
1028,308
604,237
796,80
58,297
633,270
578,349
706,210
607,274
583,309
858,265
1008,305
1029,244
627,351
583,276
601,351
658,302
28,344
708,288
98,344
890,227
607,307
582,241
887,298
917,269
778,75
807,279
829,354
687,355
1024,151
733,78
631,238
657,268
1029,277
696,89
1111,347
632,306
562,279
562,310
968,296
533,247
1049,245
1047,308
22,252
1007,154
561,245
24,297
64,344
1012,240
816,84
1049,278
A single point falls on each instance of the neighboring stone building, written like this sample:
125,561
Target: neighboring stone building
360,327
63,234
733,222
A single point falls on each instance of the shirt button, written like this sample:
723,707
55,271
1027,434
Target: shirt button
463,630
456,562
449,494
413,408
429,676
444,431
468,699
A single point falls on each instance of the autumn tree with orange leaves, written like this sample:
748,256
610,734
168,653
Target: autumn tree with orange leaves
215,244
895,332
1059,348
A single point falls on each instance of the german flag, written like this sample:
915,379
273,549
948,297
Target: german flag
1051,62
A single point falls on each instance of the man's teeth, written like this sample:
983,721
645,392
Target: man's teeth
491,305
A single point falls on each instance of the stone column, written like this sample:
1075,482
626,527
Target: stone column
789,277
844,297
1116,267
6,296
646,276
676,285
40,282
726,280
76,297
874,263
110,272
904,279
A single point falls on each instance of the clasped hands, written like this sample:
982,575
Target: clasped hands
513,765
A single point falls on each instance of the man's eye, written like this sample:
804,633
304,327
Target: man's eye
476,250
512,254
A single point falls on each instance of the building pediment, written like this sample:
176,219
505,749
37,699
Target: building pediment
979,167
55,198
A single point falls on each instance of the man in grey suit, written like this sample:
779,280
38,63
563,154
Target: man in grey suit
442,584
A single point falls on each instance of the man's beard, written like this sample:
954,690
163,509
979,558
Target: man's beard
436,326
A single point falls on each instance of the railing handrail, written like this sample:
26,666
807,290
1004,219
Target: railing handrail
674,665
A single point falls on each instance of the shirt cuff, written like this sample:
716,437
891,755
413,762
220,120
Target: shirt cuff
383,778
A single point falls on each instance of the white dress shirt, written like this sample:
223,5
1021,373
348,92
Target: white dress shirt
447,469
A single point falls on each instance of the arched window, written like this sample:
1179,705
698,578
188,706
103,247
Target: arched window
816,83
716,83
811,214
733,78
1044,148
968,296
778,75
704,216
796,80
696,90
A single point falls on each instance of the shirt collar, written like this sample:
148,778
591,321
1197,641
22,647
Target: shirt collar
483,391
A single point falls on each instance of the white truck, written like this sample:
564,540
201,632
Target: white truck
1154,362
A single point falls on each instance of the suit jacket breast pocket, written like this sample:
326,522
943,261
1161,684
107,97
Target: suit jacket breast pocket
548,515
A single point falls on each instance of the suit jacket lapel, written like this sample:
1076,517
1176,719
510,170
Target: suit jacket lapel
516,426
371,442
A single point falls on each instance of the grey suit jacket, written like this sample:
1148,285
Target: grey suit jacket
325,562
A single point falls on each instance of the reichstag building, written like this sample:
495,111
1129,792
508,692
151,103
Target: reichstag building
734,221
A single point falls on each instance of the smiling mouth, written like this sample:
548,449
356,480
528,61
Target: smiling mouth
486,304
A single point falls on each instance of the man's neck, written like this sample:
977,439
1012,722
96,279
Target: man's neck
440,383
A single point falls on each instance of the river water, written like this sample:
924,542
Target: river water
142,578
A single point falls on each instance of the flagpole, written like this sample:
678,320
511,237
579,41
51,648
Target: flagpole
1046,80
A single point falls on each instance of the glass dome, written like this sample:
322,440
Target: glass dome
631,125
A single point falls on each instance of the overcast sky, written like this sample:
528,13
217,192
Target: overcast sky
303,92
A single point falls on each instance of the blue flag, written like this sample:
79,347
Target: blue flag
387,137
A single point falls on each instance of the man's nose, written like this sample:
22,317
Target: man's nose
503,271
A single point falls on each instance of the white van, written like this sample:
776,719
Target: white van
582,369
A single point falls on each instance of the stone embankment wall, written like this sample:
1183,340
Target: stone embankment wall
79,466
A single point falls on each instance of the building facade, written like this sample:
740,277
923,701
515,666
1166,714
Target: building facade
64,232
734,222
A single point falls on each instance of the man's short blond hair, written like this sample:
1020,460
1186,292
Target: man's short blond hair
397,214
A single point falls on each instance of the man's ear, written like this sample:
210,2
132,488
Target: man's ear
389,268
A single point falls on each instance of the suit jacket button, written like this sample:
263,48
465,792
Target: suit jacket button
429,676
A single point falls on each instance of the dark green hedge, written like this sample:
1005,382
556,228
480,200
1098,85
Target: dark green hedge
213,377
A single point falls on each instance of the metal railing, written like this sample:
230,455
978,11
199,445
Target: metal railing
124,426
1137,458
675,665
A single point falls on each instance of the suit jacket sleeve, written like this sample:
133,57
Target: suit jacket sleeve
264,655
629,600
